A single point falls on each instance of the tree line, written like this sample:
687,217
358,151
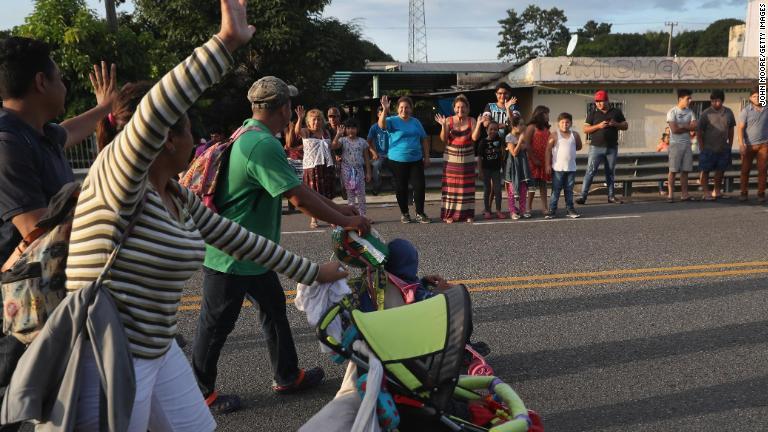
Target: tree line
537,32
292,41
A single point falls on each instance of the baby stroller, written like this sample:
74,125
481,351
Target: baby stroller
421,347
376,287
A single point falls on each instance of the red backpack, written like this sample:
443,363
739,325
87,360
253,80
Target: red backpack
203,173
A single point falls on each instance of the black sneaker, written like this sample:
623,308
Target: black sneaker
423,219
405,218
613,200
581,201
550,214
307,379
223,403
571,213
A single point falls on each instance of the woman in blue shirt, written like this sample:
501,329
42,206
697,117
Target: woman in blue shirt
408,155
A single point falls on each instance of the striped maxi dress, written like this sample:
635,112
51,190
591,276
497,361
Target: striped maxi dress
458,192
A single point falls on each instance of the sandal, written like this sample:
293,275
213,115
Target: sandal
470,220
501,215
670,199
448,220
313,225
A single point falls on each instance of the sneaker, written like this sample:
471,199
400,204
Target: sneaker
571,213
405,218
223,403
527,215
581,201
550,214
307,379
612,200
423,219
514,216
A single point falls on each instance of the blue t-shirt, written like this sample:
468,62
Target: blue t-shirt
405,139
380,137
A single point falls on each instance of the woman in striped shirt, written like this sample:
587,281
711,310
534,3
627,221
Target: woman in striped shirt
152,144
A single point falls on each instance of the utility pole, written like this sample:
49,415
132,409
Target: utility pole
671,26
417,32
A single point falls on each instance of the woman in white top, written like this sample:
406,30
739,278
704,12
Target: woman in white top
319,173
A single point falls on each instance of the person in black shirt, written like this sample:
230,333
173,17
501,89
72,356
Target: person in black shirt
32,162
490,150
603,126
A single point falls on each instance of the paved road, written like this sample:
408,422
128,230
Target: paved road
642,317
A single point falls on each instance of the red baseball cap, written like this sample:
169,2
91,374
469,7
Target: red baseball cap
601,95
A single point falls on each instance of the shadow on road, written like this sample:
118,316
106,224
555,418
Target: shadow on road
640,297
699,401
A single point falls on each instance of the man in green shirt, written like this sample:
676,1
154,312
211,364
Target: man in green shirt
250,193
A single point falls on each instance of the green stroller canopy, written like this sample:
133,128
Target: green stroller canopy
422,344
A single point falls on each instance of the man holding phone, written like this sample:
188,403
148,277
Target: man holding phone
603,126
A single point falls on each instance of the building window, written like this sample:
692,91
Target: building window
621,105
698,107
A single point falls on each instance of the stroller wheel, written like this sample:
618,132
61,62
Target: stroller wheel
480,369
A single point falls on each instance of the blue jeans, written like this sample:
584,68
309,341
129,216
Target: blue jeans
376,167
598,155
562,180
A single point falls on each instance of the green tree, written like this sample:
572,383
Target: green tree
292,42
592,29
714,41
79,39
534,33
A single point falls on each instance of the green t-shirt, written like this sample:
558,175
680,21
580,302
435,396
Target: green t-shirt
250,192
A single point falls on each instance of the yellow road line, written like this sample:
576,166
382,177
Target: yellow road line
197,298
611,272
246,304
595,281
700,275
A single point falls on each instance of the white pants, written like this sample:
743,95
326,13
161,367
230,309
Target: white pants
167,396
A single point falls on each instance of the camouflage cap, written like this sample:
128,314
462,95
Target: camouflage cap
271,92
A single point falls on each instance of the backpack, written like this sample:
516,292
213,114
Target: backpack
34,276
204,171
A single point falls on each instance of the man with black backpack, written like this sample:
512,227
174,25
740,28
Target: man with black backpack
32,162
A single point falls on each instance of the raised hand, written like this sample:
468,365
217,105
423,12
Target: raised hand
385,104
440,119
340,131
104,82
300,111
510,102
235,30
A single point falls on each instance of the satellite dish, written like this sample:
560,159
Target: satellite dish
572,44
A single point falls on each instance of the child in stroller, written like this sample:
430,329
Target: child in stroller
422,366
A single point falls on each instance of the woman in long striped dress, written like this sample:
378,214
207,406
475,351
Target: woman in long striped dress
150,143
458,196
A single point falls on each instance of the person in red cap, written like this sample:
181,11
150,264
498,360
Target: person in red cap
603,126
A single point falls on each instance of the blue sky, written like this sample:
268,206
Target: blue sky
467,30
